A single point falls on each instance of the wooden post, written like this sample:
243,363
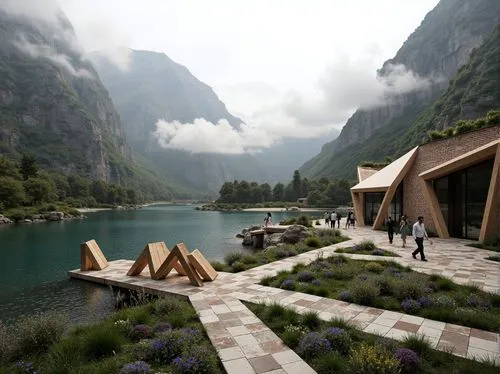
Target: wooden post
258,241
489,226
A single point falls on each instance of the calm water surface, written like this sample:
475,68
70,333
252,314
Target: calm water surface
35,258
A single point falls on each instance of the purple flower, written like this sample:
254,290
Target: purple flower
407,358
428,290
346,296
139,332
328,274
197,360
393,271
363,277
410,306
425,302
316,282
335,331
138,367
305,276
473,300
313,345
157,344
339,339
288,284
161,327
356,248
26,367
378,252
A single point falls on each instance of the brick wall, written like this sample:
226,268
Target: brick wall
433,154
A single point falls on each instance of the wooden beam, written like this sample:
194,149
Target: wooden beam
435,209
91,256
389,195
357,201
202,266
489,226
179,253
153,255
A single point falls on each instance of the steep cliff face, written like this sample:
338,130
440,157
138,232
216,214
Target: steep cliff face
52,103
154,87
473,91
435,51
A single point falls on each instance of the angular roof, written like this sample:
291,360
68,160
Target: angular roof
383,179
365,172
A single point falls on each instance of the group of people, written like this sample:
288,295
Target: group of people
418,231
335,217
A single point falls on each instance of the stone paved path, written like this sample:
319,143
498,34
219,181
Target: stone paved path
246,345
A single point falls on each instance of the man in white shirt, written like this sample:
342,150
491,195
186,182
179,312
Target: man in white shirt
333,218
419,234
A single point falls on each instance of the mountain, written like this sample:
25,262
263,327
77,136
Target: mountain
433,52
154,87
53,105
473,92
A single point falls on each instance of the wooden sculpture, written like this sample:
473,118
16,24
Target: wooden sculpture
153,255
179,253
202,266
91,256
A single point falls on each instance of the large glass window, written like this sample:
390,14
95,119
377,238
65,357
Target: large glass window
462,199
373,200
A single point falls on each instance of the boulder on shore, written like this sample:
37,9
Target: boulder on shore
273,239
4,220
247,240
295,234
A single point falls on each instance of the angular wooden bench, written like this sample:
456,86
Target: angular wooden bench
202,266
153,255
91,256
178,253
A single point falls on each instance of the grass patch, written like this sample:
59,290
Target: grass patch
367,247
150,335
491,244
337,347
387,285
235,262
495,258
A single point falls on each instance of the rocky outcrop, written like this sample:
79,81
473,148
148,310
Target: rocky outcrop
434,52
4,220
273,240
295,234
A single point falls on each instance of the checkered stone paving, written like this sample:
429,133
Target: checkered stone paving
246,345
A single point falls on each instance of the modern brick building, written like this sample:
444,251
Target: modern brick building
454,183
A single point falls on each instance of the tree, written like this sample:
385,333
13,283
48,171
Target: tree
296,185
314,197
11,192
9,168
279,192
79,187
99,190
29,168
242,192
266,192
226,193
40,190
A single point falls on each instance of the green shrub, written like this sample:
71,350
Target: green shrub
409,288
304,221
367,245
100,342
64,356
35,334
494,258
238,266
364,292
292,335
385,283
374,267
445,284
330,363
266,281
198,360
5,344
313,242
367,359
311,320
232,257
218,266
298,267
418,343
339,339
249,259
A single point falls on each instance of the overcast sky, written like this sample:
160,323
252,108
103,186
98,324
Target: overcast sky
295,67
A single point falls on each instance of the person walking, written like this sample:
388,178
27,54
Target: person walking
339,217
390,229
419,234
327,219
404,229
333,219
353,220
348,220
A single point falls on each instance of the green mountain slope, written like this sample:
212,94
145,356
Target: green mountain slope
154,87
436,50
53,105
471,94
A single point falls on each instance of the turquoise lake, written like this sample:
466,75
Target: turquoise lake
36,257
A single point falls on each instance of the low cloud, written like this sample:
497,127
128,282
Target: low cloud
203,136
346,86
45,51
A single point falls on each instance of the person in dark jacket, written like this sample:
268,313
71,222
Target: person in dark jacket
390,229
